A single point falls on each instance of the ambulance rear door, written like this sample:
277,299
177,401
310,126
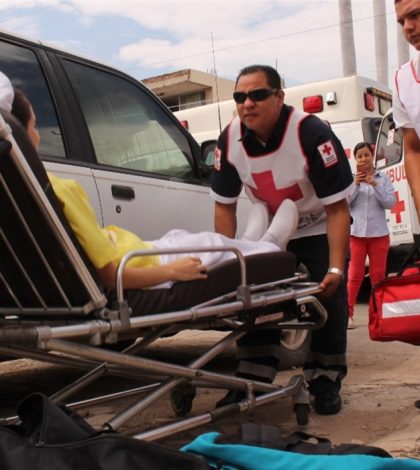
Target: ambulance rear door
402,218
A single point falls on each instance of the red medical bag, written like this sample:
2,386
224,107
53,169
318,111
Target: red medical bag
394,307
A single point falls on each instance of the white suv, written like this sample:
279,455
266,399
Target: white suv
140,167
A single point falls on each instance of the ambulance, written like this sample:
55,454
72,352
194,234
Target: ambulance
353,106
403,222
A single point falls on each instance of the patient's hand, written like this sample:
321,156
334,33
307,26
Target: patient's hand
187,269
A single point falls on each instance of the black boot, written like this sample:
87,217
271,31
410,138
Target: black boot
327,403
327,400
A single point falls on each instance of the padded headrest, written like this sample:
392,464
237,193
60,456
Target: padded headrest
38,169
26,146
6,92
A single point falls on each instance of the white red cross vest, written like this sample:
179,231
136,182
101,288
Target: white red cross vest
408,89
281,174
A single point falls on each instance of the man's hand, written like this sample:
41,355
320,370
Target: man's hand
187,269
330,284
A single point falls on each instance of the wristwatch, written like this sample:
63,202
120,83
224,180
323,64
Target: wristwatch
333,270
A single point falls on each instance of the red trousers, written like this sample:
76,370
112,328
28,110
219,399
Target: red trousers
376,248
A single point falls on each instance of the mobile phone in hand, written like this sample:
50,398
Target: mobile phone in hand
361,169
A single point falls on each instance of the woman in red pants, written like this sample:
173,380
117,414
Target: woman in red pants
373,194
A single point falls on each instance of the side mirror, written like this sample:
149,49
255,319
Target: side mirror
207,152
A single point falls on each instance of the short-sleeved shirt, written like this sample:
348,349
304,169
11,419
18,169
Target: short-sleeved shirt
406,98
102,245
315,158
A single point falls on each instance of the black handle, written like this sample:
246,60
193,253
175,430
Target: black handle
122,192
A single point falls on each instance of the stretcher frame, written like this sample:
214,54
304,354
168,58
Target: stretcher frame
77,333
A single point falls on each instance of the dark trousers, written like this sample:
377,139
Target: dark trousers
326,362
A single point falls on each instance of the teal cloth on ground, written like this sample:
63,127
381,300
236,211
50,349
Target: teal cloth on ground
244,457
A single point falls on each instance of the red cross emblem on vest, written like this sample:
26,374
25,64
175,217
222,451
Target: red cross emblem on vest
327,153
266,191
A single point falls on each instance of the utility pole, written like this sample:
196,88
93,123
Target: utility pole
381,40
348,54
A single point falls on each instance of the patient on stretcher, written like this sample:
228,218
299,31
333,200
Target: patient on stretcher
106,246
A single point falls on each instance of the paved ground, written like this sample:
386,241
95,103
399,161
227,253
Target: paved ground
379,392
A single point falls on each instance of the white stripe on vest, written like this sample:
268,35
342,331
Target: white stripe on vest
408,84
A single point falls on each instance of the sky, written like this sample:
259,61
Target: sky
147,38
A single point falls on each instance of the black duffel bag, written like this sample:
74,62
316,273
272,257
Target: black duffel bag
51,436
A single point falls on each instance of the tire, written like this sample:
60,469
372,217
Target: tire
182,399
294,348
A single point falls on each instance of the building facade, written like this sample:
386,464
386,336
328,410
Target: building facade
189,88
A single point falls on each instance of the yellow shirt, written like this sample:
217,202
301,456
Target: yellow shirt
102,245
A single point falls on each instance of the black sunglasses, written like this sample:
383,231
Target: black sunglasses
260,94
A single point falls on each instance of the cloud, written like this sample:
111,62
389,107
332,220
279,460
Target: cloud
150,37
301,37
26,26
86,21
259,31
66,45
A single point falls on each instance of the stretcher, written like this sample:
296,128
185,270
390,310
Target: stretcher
54,308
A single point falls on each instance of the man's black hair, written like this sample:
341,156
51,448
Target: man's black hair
273,77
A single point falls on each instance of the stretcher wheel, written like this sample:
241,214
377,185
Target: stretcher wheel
302,413
182,399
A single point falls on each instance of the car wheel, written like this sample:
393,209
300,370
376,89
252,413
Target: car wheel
294,347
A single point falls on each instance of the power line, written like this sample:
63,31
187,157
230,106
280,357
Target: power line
198,54
245,44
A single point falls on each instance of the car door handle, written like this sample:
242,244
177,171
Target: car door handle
123,192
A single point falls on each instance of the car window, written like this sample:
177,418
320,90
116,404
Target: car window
21,65
127,128
389,146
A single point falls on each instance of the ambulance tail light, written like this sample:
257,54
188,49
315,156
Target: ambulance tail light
313,104
369,101
184,123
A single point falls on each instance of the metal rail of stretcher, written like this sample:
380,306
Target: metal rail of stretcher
22,334
50,339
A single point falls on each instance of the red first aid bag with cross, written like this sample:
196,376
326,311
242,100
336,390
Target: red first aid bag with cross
394,307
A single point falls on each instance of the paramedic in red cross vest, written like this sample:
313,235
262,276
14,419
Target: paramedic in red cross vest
276,152
406,99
